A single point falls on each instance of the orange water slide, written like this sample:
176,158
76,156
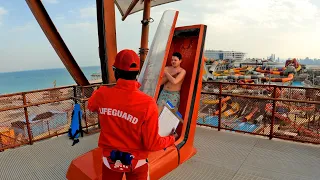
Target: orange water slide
89,166
268,108
216,101
304,108
250,115
222,109
235,107
289,78
247,81
235,70
258,69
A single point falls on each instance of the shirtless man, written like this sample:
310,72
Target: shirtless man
172,80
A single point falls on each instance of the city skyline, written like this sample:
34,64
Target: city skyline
285,28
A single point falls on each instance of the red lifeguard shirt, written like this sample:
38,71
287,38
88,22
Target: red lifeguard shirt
128,120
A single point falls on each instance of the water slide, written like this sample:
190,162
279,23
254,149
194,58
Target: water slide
235,107
189,41
213,67
207,75
301,128
238,73
224,107
255,75
247,81
258,69
250,115
289,78
235,70
216,101
209,70
281,73
291,67
294,63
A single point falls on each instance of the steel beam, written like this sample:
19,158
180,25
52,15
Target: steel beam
56,41
107,38
102,43
110,36
145,31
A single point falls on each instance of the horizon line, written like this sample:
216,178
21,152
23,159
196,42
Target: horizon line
2,72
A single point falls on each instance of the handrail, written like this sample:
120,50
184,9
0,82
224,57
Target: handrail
34,91
261,85
95,84
34,104
1,134
260,97
80,95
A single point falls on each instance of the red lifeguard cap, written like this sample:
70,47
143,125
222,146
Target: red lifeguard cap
127,60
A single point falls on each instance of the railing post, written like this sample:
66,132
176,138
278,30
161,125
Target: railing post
99,122
98,113
75,94
220,106
274,102
84,108
48,127
27,118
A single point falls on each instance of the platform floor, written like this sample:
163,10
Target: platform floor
221,155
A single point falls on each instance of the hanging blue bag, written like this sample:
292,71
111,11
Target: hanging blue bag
75,127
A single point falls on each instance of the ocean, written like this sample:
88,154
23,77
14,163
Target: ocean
11,82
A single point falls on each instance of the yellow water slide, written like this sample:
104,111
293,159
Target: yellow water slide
216,101
235,107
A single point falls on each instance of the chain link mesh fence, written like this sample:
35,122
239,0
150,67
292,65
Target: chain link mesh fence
11,101
11,133
36,115
32,116
249,108
297,121
209,105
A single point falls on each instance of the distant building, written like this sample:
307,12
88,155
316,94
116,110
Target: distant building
218,54
272,57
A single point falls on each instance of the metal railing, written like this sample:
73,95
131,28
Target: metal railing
249,108
31,116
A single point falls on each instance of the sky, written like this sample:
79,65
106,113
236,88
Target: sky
286,28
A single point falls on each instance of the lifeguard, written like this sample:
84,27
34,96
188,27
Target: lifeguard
129,122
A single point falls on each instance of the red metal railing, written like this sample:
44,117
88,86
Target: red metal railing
31,116
249,108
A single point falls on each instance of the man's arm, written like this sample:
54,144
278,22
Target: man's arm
164,77
150,132
176,80
164,80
